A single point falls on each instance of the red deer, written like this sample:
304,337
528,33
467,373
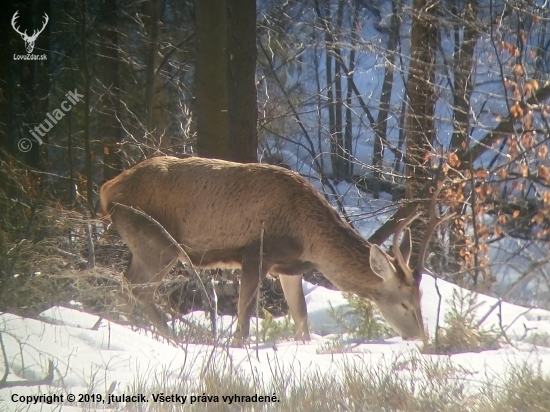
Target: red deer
218,210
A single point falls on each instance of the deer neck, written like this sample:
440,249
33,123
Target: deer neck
342,256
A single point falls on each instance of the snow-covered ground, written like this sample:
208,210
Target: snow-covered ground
112,358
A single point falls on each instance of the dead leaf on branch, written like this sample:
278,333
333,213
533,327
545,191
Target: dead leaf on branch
453,160
544,173
516,111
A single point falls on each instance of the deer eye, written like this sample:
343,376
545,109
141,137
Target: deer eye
405,306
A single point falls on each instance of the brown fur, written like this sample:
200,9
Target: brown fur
216,210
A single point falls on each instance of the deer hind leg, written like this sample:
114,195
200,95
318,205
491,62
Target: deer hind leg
153,255
145,293
294,295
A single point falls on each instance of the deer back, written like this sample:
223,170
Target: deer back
210,204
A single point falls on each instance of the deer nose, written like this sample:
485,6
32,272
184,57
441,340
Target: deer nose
420,336
410,338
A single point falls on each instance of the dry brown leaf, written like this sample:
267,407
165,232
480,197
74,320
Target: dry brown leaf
454,161
544,172
481,174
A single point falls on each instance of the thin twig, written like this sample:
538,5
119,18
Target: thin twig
440,298
6,364
90,241
258,290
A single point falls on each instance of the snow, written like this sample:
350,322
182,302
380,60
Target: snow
113,357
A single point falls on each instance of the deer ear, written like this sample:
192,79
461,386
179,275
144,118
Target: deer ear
406,246
380,264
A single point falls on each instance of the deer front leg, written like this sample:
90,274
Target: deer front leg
294,295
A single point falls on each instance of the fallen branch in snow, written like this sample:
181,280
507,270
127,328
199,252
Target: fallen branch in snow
48,379
512,288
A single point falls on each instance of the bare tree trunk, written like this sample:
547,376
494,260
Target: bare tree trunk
339,163
88,164
8,82
110,80
242,96
348,133
330,106
42,72
420,115
420,119
210,79
400,142
329,45
385,98
319,110
72,191
152,10
464,65
34,81
421,91
225,79
463,69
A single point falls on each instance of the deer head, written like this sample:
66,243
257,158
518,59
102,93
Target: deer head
29,40
400,300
